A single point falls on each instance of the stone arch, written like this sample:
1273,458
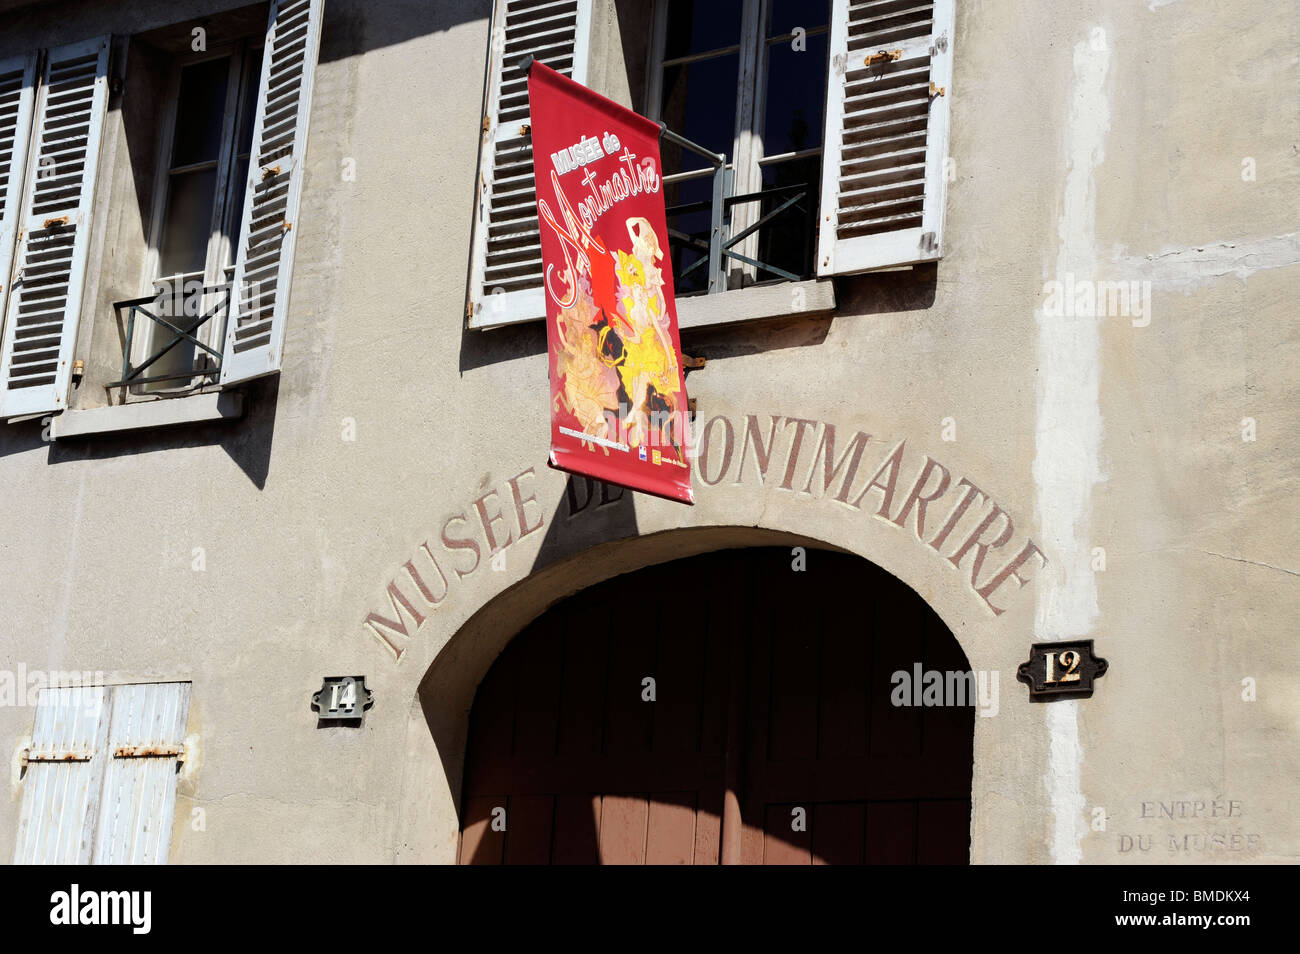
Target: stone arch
447,689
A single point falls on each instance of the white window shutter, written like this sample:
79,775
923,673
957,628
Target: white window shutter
506,264
44,302
886,137
145,739
264,258
100,785
65,771
17,98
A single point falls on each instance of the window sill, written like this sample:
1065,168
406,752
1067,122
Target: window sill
148,414
739,305
780,300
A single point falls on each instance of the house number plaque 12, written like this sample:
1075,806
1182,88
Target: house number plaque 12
1061,670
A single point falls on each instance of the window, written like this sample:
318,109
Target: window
100,780
203,172
736,78
207,300
831,116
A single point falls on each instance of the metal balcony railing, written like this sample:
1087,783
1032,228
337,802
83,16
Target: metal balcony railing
170,308
720,247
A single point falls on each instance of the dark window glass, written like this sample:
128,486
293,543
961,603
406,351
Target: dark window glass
697,26
796,95
689,232
699,102
789,241
788,14
243,146
248,108
200,110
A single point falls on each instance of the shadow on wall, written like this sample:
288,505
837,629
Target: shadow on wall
590,511
362,26
247,440
900,290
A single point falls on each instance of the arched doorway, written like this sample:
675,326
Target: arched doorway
767,734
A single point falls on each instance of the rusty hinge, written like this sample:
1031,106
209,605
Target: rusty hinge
882,56
691,362
72,755
525,129
487,123
286,226
150,752
936,90
50,223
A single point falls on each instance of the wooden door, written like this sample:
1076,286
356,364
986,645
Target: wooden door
612,729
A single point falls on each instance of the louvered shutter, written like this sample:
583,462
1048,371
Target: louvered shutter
886,137
17,94
264,259
54,230
506,267
65,771
145,738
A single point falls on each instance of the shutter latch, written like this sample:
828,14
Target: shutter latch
882,56
936,90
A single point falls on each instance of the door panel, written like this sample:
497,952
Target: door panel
591,762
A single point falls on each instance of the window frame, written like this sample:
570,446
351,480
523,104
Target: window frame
223,236
747,157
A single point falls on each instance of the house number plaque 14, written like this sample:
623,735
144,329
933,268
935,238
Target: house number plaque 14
1061,670
342,700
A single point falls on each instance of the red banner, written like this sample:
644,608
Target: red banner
618,395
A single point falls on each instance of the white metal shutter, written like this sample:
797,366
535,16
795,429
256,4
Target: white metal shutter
886,136
54,230
264,257
65,770
17,96
506,264
145,739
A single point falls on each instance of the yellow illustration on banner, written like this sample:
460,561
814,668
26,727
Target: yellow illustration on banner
615,350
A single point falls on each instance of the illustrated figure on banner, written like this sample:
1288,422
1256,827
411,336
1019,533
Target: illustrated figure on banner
615,353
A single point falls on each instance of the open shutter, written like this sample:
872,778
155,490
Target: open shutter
65,771
145,739
17,95
264,257
506,267
54,230
886,137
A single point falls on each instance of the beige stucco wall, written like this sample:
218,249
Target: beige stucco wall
1103,137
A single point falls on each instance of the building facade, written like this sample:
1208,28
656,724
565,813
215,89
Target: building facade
996,306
